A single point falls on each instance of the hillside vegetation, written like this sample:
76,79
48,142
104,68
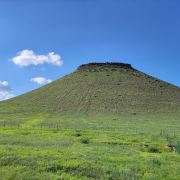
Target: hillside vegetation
100,88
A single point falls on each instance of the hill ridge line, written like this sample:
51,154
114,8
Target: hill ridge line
105,65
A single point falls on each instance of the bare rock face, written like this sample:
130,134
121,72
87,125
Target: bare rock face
104,66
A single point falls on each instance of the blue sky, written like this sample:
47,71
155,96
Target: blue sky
144,33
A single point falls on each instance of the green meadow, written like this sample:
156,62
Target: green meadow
91,147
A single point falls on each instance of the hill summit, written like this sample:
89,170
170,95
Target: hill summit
99,88
103,66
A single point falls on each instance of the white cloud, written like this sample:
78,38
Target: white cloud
28,57
5,91
41,80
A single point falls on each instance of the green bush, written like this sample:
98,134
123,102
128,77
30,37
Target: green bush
85,140
77,134
153,149
177,147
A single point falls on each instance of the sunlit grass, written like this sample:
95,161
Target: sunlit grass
101,148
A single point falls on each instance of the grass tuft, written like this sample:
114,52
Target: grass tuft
153,149
85,140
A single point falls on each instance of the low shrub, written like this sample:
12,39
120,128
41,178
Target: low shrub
153,149
77,134
177,147
85,140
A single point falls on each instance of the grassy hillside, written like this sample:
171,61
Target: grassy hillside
103,121
100,88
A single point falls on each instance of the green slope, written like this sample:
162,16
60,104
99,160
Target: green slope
99,88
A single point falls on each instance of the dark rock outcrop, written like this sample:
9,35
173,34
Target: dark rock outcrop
107,65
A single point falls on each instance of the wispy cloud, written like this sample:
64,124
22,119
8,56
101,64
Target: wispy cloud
28,57
41,80
5,91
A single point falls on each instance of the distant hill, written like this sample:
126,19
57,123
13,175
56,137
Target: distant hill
99,88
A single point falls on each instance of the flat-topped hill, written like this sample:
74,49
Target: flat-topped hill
99,88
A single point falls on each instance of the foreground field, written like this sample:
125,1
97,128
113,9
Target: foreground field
90,147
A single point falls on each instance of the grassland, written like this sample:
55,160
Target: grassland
96,147
97,123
